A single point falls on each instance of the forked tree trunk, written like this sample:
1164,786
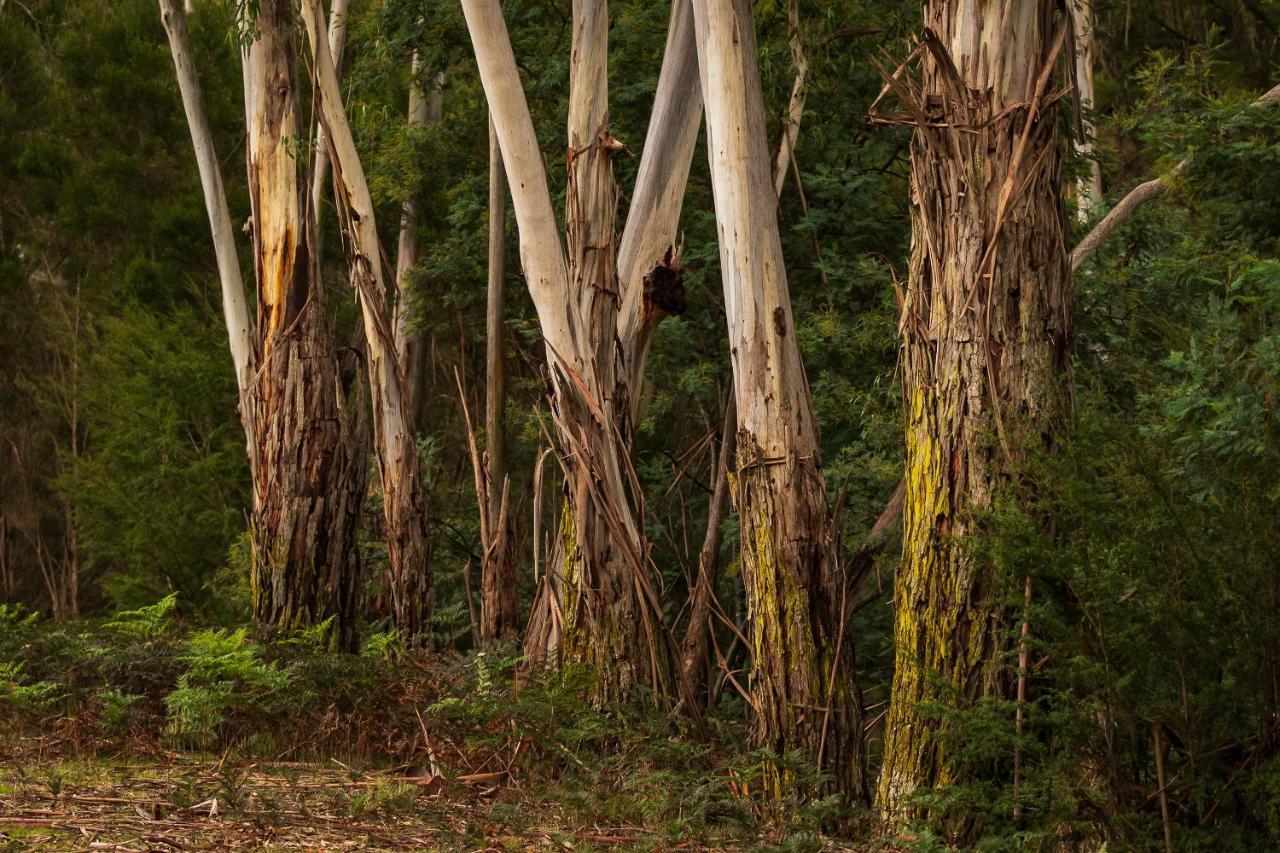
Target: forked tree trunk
308,474
647,266
337,46
987,325
802,682
499,609
399,467
603,594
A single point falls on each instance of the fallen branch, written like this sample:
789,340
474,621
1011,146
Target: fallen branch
1140,195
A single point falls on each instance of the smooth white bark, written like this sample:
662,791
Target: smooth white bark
235,309
337,46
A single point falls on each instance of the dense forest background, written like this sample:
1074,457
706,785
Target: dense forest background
1154,622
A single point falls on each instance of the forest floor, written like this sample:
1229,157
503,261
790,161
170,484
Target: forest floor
179,802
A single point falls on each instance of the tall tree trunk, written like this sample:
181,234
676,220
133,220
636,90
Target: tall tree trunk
604,590
649,272
308,473
987,325
234,309
802,683
1089,185
499,610
399,467
424,108
337,47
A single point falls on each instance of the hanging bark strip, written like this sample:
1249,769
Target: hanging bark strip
399,468
986,323
802,683
308,473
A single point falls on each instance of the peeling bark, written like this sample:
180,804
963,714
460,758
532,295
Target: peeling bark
987,328
408,540
599,604
802,684
308,472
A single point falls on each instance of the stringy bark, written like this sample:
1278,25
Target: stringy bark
986,323
308,467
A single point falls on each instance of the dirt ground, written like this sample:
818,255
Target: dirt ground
177,803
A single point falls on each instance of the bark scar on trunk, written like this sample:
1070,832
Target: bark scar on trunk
664,287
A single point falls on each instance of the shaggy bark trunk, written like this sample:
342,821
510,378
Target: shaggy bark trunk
603,590
308,474
802,683
1089,185
987,326
499,610
399,468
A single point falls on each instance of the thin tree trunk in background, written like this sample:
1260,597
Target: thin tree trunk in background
499,609
308,473
337,47
424,109
1089,185
795,106
693,650
987,322
399,467
802,685
604,579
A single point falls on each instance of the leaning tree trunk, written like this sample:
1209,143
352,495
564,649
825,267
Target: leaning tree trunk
802,683
408,540
308,475
986,364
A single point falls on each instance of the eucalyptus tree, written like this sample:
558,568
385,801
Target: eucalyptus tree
598,299
305,458
803,690
986,360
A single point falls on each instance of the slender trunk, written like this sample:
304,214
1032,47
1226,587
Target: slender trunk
399,467
693,650
802,684
649,272
234,308
337,47
1089,185
424,108
604,588
986,360
795,106
499,610
308,474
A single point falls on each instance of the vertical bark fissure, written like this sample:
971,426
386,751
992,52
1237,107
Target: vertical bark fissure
399,467
308,473
986,323
802,683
